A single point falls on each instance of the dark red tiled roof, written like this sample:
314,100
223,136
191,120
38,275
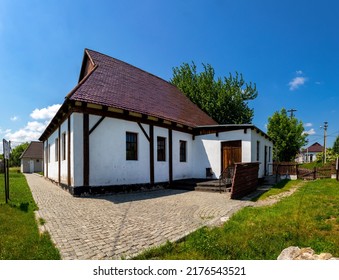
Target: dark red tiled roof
117,84
34,150
315,148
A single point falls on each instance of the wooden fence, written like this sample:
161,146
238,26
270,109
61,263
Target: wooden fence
245,179
292,168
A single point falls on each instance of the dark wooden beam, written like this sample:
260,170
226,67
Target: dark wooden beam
96,125
86,149
151,153
126,116
47,157
144,131
170,159
83,109
69,151
59,155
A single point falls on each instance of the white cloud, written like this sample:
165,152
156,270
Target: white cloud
4,131
33,129
14,118
308,124
297,82
299,72
310,132
45,113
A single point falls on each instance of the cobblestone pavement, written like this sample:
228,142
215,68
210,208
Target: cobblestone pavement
122,225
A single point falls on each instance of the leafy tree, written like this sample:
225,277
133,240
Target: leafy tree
224,99
336,145
287,134
330,156
14,159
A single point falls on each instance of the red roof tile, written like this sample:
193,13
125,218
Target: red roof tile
117,84
315,148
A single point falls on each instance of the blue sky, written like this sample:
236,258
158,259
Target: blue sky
290,49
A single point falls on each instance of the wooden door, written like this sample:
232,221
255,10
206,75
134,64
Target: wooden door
231,153
31,166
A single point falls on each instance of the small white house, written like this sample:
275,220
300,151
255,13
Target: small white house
32,158
122,126
310,153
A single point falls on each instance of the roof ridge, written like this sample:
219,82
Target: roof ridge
146,72
69,95
129,64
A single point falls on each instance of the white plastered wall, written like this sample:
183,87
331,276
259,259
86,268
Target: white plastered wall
107,153
182,170
77,153
263,141
63,161
161,168
52,163
108,164
207,151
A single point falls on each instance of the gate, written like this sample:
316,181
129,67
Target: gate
291,168
306,174
316,173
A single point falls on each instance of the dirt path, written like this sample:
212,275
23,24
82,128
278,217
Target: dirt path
276,198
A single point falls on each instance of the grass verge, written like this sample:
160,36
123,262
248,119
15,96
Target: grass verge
308,218
19,235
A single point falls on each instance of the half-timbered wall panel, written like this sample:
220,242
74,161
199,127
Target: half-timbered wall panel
107,154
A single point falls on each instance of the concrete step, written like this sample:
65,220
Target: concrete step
199,185
270,180
211,189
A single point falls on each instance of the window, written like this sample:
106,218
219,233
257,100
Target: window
182,151
131,146
56,149
63,145
161,148
258,150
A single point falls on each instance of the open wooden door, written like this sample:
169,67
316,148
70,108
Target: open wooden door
231,153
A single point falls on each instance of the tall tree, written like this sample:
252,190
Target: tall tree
14,159
287,134
336,145
224,99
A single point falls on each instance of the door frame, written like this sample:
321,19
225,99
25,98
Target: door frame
238,144
31,166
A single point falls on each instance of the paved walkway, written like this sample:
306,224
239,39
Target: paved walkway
115,226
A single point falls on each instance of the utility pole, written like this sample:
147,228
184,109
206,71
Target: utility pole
292,112
325,130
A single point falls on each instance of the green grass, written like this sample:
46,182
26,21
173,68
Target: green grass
308,218
19,235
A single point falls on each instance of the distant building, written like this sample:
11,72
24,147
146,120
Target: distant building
310,153
32,158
